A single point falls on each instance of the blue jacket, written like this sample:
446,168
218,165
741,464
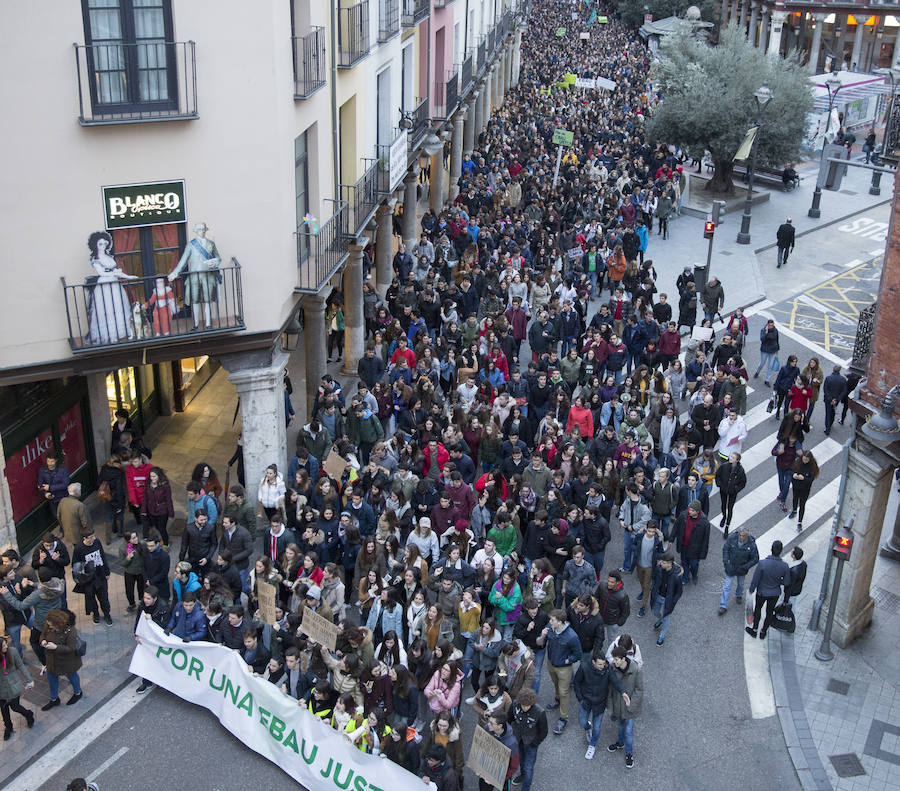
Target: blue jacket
563,648
193,584
673,590
390,621
208,502
786,377
188,624
771,575
642,237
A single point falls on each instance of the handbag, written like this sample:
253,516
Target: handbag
80,644
104,493
770,407
783,618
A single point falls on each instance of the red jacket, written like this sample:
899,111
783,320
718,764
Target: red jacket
409,354
670,343
518,320
582,417
136,480
442,459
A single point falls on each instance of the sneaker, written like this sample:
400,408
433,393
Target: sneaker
696,580
750,630
560,726
589,753
658,625
29,718
792,514
762,635
799,527
723,610
131,608
640,596
108,619
145,685
629,761
722,523
615,746
551,707
660,640
96,619
50,704
756,375
470,701
517,780
783,508
74,699
642,612
739,599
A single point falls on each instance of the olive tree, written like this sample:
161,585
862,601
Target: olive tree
708,100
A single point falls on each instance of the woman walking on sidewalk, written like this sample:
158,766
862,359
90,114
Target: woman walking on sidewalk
12,673
59,640
804,472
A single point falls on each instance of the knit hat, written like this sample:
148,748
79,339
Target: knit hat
314,592
694,505
437,752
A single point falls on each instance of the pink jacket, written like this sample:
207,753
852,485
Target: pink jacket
447,697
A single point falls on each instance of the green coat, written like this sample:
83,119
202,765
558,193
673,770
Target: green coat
337,317
243,514
505,539
570,370
368,430
136,564
11,679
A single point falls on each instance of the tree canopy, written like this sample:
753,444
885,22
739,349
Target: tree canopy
708,100
631,12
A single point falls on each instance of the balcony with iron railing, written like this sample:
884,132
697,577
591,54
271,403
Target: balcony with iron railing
130,312
353,34
389,181
419,120
310,65
865,333
121,83
361,198
388,19
482,55
466,74
414,11
321,249
491,42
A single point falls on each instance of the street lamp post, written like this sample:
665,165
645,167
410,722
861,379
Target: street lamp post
763,96
833,84
887,124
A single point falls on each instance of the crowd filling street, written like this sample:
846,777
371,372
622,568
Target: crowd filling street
528,388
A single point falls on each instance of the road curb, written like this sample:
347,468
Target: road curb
98,702
792,714
826,224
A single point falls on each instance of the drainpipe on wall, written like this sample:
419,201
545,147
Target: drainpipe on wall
335,117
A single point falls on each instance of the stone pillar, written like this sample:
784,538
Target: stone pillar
868,486
764,30
857,42
354,322
436,183
479,109
501,78
314,337
99,408
774,47
410,202
816,46
489,93
496,100
8,537
517,56
456,146
469,126
258,378
166,389
742,20
508,63
723,15
891,547
754,22
384,217
297,372
734,11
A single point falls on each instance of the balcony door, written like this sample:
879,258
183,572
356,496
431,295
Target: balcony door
131,57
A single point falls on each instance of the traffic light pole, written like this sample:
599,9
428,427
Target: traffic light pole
824,652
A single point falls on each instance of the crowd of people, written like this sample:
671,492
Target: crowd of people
521,395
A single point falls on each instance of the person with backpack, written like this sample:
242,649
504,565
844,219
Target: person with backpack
60,642
768,351
197,498
786,378
90,569
198,544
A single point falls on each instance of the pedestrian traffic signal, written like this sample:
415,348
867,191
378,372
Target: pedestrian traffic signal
843,543
709,229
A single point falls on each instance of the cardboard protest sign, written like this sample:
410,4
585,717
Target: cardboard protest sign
488,758
319,629
334,465
267,598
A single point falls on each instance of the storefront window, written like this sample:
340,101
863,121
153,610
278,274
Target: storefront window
122,392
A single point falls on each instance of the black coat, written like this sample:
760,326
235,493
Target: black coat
674,586
529,637
590,630
596,535
731,478
798,577
834,388
592,686
57,567
698,546
198,543
159,613
156,571
240,544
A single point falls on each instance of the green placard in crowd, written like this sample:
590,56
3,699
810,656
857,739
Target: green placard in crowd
563,137
560,32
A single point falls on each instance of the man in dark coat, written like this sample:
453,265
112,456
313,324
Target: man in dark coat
784,238
739,555
665,589
834,389
691,536
157,610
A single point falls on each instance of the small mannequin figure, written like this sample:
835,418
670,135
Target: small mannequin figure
162,306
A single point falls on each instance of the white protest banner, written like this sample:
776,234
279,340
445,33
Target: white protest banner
585,82
267,597
260,715
319,629
488,758
605,84
575,252
584,36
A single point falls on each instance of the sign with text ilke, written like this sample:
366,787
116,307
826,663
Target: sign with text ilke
488,758
133,205
319,629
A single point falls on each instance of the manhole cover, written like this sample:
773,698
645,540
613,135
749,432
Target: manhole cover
724,252
833,267
840,687
847,765
885,599
848,192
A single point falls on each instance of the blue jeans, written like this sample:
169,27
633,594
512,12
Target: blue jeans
632,359
15,634
658,603
726,589
539,655
54,684
626,735
769,361
663,523
628,562
506,630
567,343
584,719
596,559
245,579
784,484
527,758
691,568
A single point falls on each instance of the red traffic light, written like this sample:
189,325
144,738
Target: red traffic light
708,229
843,543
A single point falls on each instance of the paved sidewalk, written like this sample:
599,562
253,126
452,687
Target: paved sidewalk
841,719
